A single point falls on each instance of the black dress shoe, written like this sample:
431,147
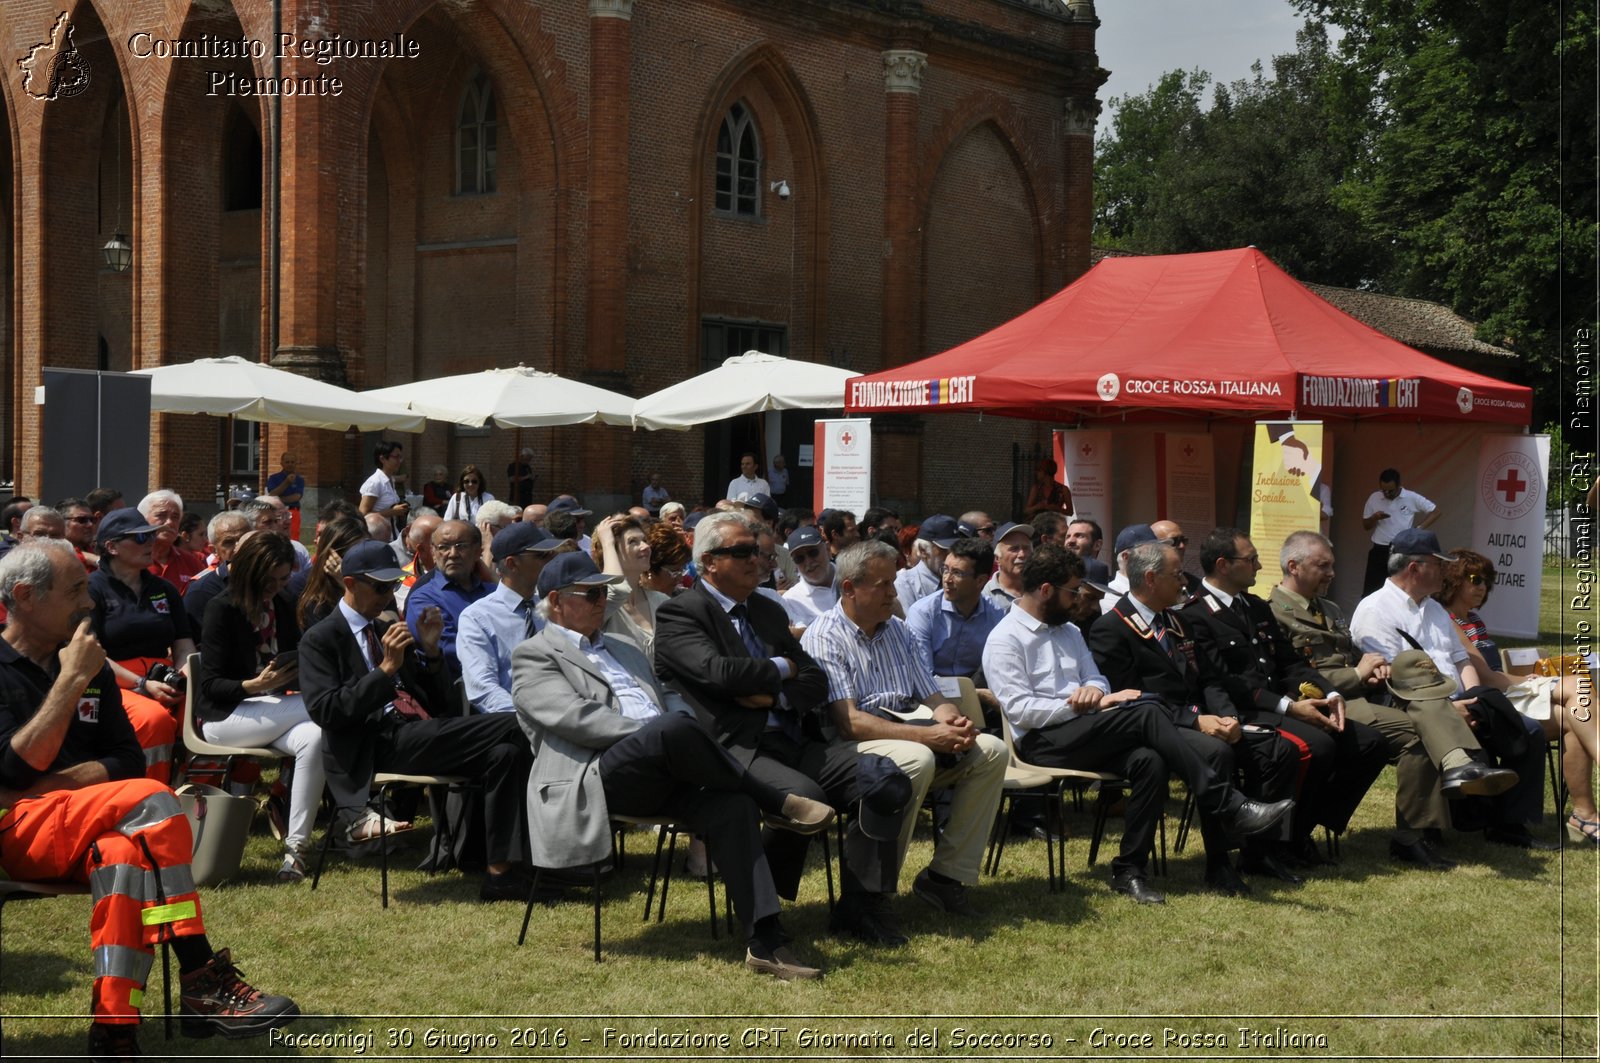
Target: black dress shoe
1225,880
867,917
1475,780
1133,884
1420,854
510,885
1267,864
1253,817
1518,837
1305,853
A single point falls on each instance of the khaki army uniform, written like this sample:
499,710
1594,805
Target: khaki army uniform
1418,735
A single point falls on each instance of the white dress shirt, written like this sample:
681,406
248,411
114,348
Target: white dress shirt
1383,614
1403,510
1033,667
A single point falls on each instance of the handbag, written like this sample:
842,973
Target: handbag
220,823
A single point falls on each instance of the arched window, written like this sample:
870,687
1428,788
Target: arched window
739,164
475,137
241,163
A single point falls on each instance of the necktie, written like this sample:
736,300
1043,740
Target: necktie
747,634
529,620
1241,610
403,702
1159,626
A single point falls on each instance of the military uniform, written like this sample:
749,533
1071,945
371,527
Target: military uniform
1417,736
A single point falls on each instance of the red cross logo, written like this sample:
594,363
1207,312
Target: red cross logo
1086,450
1188,451
846,438
1513,485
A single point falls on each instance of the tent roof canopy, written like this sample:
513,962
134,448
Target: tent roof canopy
1216,333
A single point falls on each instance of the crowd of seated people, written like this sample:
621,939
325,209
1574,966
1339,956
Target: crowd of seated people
743,664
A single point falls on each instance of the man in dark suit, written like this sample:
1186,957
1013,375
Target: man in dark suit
375,690
610,740
729,652
1246,662
1142,645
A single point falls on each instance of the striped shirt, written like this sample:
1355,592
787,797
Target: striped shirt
880,672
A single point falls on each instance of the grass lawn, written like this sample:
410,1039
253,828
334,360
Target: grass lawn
1495,959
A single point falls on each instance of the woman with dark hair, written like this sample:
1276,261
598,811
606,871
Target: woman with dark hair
1047,494
378,493
469,497
324,587
247,663
1562,705
669,556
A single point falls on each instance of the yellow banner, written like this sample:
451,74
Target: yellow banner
1289,490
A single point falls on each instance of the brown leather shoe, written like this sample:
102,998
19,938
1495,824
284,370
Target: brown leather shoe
780,963
802,815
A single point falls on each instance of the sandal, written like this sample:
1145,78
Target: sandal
293,869
370,827
1583,831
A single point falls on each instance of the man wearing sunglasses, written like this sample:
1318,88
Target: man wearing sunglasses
382,697
1171,533
612,740
730,653
814,592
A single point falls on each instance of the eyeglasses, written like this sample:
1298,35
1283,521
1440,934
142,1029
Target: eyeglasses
139,537
1251,558
592,595
987,529
800,557
381,586
1475,579
450,548
473,482
80,520
955,573
1177,542
743,552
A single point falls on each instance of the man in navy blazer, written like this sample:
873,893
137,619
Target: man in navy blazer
364,680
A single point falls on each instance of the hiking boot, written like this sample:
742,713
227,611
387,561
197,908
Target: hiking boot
216,999
112,1042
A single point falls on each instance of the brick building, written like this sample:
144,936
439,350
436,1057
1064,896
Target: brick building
621,191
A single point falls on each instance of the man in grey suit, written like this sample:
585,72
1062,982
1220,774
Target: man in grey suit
607,738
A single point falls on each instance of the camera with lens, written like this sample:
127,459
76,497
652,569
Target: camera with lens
161,672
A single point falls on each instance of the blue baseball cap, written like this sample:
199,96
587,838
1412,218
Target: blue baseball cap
120,522
941,530
1410,541
521,538
371,559
1132,536
575,569
802,537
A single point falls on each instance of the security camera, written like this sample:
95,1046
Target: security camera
782,188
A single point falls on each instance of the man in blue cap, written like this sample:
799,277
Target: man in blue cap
612,740
490,628
382,698
935,536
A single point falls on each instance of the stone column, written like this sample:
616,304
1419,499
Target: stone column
902,83
1078,120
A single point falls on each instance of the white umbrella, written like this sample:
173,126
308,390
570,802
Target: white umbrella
516,397
751,382
238,387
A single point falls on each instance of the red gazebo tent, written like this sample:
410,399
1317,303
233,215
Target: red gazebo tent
1216,333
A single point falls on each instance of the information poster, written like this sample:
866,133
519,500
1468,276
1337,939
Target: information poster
1083,464
1508,500
843,469
1289,490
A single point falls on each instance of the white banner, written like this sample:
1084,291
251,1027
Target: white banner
843,456
1509,501
1083,464
1186,489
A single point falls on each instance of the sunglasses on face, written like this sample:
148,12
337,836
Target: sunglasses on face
137,537
1177,541
470,483
987,529
377,584
80,520
1475,579
592,595
739,553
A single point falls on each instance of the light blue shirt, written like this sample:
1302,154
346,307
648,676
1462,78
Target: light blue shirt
1033,668
636,703
913,584
949,643
488,630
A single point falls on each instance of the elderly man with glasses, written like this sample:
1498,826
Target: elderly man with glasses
456,549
